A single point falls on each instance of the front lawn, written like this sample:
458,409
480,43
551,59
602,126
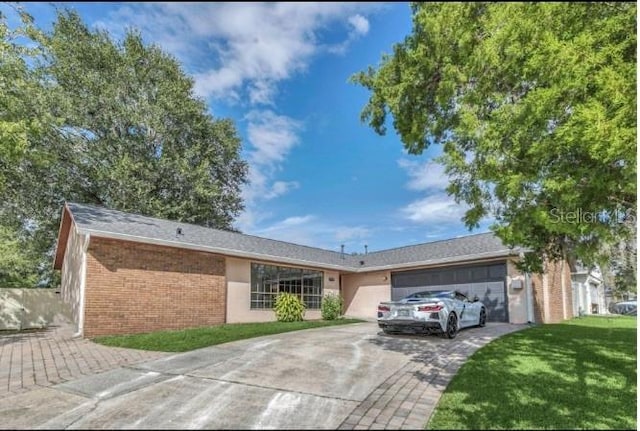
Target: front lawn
195,338
580,374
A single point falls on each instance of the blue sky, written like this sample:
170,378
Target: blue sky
318,175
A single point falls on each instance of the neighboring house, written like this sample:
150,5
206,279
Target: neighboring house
126,273
589,296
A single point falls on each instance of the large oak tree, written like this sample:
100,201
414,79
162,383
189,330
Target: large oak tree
119,126
534,105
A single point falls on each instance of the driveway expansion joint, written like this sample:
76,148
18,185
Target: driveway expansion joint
347,379
271,388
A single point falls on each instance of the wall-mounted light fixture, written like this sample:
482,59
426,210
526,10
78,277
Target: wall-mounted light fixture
385,278
332,279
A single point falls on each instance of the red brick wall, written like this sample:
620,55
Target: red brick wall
133,288
554,273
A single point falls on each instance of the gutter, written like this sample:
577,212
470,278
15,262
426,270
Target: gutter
433,262
528,295
302,262
220,250
83,283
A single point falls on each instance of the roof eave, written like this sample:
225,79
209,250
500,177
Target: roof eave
218,250
447,260
66,224
303,262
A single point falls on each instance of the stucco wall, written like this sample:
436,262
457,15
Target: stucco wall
516,297
72,274
31,308
362,293
586,291
239,292
133,288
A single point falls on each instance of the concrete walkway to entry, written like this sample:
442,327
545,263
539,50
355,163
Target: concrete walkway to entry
347,377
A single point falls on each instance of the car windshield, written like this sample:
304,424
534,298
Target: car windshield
431,294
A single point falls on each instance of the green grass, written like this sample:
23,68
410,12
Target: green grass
195,338
580,374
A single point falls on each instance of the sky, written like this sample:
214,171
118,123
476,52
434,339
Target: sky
318,175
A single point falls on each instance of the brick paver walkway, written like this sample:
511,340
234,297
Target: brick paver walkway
33,359
407,398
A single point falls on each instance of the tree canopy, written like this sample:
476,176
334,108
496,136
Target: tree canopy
534,105
117,125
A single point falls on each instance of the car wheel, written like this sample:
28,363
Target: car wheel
482,321
452,326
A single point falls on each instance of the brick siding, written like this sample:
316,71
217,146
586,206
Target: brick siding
134,288
554,274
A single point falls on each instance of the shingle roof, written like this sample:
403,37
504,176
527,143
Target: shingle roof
101,221
455,248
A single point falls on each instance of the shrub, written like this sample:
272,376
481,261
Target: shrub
288,308
331,307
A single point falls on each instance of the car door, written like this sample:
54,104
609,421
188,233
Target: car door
470,313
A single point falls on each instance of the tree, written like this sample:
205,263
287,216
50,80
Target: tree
619,269
534,105
16,85
124,130
22,121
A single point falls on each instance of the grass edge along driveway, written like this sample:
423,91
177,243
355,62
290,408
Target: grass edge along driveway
579,374
196,338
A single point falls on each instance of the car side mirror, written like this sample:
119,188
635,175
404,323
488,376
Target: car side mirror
476,299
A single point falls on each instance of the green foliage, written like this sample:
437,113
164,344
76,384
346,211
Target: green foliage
626,270
534,105
581,374
106,122
288,308
197,338
15,262
14,76
331,307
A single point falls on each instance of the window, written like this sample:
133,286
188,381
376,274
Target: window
432,294
269,280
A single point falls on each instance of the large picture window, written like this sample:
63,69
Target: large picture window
269,280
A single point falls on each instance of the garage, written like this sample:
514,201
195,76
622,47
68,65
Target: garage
487,281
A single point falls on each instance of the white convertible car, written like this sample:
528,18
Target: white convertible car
439,311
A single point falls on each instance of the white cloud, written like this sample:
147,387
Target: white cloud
280,188
241,51
424,176
271,138
436,208
310,230
351,233
288,223
359,27
360,24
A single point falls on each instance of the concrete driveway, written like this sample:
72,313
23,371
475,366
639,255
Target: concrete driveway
343,377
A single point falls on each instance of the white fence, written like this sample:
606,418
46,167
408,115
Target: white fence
31,308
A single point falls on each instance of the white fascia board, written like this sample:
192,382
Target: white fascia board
447,260
301,262
83,280
219,250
